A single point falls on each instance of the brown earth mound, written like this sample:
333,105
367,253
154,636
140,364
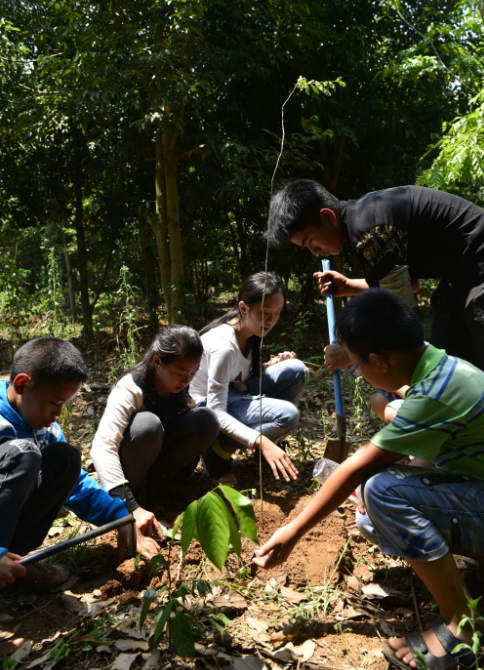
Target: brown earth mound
317,553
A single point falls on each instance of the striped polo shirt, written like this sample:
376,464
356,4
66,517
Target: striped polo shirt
442,417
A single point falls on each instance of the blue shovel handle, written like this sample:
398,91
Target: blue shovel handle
338,390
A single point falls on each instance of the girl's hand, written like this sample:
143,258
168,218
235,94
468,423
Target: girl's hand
277,459
191,404
146,546
9,569
277,549
284,356
335,357
147,523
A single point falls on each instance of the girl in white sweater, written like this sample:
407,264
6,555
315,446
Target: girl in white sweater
228,381
151,426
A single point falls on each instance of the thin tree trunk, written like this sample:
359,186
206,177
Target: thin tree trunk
145,267
81,251
235,245
107,265
70,280
159,228
480,6
174,232
242,244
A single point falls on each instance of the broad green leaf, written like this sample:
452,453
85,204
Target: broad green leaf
183,635
162,618
189,525
213,528
149,596
244,512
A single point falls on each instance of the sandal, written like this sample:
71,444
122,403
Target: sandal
42,577
465,659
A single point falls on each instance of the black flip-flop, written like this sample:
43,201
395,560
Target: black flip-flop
465,660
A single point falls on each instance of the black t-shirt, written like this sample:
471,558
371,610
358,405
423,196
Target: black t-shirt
438,235
164,408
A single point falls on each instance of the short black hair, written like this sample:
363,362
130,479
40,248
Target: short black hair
49,360
295,207
378,319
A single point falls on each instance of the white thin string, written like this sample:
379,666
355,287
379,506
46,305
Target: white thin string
262,308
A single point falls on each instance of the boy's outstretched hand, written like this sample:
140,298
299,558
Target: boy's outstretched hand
277,549
9,569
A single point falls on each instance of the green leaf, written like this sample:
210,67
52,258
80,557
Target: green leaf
136,561
155,563
149,596
203,587
189,525
213,528
235,543
183,635
176,527
244,512
162,618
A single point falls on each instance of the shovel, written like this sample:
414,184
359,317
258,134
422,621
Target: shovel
102,530
336,450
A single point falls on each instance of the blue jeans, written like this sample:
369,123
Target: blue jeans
282,385
417,512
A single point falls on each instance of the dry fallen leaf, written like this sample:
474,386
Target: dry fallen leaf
71,603
386,628
93,610
39,661
152,660
287,634
103,649
247,663
375,590
125,661
131,645
292,596
255,624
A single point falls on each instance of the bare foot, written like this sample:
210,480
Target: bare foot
9,646
403,652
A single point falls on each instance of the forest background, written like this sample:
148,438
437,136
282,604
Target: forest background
139,138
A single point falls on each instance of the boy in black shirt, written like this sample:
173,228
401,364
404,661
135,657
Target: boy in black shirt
438,235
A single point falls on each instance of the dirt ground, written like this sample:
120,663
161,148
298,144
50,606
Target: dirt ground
331,604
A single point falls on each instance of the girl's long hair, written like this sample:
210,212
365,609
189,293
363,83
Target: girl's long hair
171,343
251,292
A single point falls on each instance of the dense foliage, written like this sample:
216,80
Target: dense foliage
146,134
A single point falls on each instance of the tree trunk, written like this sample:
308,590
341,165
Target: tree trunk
174,233
70,281
159,227
146,271
480,7
235,245
81,251
242,244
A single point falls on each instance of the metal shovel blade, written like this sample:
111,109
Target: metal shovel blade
132,543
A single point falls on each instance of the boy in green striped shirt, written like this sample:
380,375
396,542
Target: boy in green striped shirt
422,513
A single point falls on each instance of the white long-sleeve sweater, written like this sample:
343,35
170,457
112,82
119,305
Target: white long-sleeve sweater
222,362
125,399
